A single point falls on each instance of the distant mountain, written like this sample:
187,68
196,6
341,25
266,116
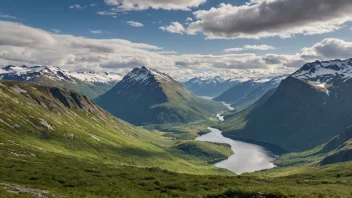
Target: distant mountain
258,92
209,86
147,96
241,90
309,108
88,83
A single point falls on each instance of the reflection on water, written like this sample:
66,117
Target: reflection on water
247,158
220,117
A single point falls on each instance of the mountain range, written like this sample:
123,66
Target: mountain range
147,96
260,89
245,93
90,84
209,86
308,109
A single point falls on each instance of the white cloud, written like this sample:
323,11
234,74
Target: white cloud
270,18
129,5
250,47
77,6
174,27
167,52
189,19
20,44
329,48
107,13
7,16
56,31
135,24
99,32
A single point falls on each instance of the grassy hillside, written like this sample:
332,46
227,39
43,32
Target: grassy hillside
58,121
205,151
147,97
337,150
66,176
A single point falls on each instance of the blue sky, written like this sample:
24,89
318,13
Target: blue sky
51,15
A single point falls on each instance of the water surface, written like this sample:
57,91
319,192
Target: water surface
247,158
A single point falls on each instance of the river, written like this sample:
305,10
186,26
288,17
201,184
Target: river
247,158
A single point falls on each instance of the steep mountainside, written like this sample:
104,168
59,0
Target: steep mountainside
88,83
210,87
309,108
241,90
257,93
146,96
55,121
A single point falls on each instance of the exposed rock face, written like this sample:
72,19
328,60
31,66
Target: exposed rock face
54,98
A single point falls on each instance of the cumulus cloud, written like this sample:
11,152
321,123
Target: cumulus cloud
130,5
250,47
271,18
134,24
174,27
20,44
329,48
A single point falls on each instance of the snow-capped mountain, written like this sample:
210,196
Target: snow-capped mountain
147,96
209,86
88,83
326,71
308,109
147,76
325,75
241,88
258,92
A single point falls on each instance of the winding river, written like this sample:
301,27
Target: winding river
247,158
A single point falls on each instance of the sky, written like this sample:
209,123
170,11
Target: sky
184,38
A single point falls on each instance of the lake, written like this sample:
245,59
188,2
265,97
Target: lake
247,158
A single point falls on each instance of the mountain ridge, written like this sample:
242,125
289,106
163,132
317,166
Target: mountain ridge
88,83
304,112
161,99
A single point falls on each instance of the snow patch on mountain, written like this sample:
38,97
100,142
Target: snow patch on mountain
56,73
325,72
143,74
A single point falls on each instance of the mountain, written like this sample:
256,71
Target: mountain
147,96
209,86
241,90
38,121
308,109
90,84
58,143
258,92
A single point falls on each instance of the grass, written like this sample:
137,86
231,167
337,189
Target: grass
76,132
67,176
82,151
209,152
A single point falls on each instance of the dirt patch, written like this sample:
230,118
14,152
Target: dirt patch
17,189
